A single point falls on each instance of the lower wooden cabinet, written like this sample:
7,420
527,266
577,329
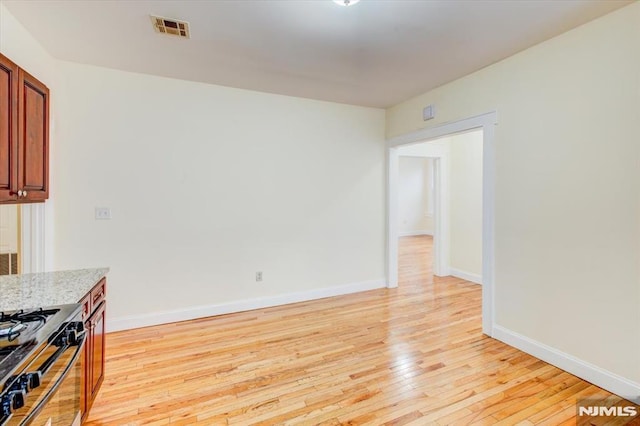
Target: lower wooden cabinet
94,306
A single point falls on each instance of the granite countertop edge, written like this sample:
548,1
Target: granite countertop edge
39,290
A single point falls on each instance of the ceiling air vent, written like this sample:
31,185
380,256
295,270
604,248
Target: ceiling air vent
170,26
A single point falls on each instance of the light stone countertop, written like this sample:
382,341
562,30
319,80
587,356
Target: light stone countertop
39,290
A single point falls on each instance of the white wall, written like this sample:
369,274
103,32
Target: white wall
465,205
567,157
415,195
208,185
18,45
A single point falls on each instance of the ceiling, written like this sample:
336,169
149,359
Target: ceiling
375,53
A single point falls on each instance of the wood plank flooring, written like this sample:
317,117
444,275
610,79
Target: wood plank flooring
412,355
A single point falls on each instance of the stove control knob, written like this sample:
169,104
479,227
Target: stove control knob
30,381
25,383
72,338
17,399
16,383
13,400
78,326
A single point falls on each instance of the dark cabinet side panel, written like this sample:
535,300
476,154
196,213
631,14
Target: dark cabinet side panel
8,129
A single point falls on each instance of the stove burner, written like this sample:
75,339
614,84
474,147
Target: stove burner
11,325
11,328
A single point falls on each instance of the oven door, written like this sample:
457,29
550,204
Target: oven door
56,401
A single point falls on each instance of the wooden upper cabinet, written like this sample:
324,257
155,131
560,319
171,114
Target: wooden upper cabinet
24,135
33,135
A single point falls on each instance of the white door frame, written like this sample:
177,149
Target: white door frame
486,123
32,235
440,220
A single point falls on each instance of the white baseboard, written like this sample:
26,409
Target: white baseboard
414,233
598,376
474,278
145,320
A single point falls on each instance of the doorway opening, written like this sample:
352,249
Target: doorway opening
472,234
446,215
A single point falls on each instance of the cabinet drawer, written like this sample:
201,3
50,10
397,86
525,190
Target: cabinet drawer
98,293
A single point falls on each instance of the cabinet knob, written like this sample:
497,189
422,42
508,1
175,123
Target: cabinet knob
24,193
19,193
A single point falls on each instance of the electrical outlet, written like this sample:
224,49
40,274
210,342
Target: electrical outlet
258,276
103,213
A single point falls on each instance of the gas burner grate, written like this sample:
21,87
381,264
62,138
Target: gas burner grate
30,316
11,325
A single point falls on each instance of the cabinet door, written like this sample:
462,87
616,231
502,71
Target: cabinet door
97,351
8,129
33,137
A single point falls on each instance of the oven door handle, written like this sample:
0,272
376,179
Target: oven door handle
80,346
46,365
70,338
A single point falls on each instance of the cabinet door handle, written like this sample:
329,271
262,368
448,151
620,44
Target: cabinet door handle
24,194
19,193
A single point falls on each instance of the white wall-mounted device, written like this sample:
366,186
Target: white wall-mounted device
428,112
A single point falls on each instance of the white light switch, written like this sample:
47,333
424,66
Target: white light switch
103,213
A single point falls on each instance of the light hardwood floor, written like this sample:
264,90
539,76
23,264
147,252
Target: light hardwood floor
412,355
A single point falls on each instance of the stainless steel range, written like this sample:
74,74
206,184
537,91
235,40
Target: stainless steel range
40,366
